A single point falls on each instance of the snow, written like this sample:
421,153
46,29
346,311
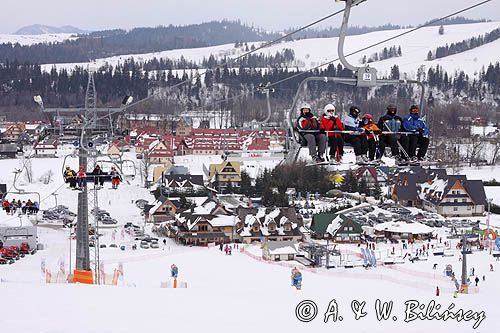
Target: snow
27,40
222,290
403,227
334,225
493,192
315,51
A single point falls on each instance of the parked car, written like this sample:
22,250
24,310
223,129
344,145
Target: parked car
144,244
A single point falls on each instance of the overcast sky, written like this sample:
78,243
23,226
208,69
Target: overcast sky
268,14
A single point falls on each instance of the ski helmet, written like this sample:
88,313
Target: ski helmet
354,111
392,109
305,106
366,119
414,109
329,109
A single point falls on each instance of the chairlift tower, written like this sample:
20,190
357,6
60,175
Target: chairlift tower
95,121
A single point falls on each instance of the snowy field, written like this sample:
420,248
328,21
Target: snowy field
315,51
26,40
237,293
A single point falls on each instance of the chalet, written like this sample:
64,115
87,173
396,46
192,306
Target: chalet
159,153
13,131
209,222
435,191
404,189
226,174
182,128
182,183
371,175
268,224
454,196
402,230
163,209
114,150
280,251
336,227
46,148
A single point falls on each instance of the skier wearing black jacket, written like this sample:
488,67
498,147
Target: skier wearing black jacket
391,122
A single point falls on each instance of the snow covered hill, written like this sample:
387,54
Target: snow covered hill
312,52
34,39
315,51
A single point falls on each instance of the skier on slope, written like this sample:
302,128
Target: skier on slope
415,124
372,132
308,122
356,139
174,271
391,122
296,278
115,178
331,122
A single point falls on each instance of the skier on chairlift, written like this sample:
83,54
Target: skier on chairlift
415,124
356,138
330,121
392,123
308,123
115,178
372,132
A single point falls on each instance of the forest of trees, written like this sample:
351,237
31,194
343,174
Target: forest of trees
386,53
235,85
465,45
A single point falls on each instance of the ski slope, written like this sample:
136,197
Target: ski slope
237,293
315,51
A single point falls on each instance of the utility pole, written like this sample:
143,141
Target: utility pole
465,286
488,224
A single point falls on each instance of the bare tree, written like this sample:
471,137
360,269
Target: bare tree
144,168
474,149
496,149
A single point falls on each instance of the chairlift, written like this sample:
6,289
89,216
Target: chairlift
364,77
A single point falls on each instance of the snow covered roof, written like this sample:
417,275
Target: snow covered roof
403,227
282,247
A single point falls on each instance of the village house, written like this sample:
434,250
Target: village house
268,224
280,251
13,131
336,227
372,175
114,151
163,209
402,230
225,174
182,128
182,183
435,191
454,196
46,148
159,153
209,222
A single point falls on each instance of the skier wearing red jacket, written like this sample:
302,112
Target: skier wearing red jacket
310,127
331,122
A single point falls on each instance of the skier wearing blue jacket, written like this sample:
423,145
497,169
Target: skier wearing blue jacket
413,123
356,139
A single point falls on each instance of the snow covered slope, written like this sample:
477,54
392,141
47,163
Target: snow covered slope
315,51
